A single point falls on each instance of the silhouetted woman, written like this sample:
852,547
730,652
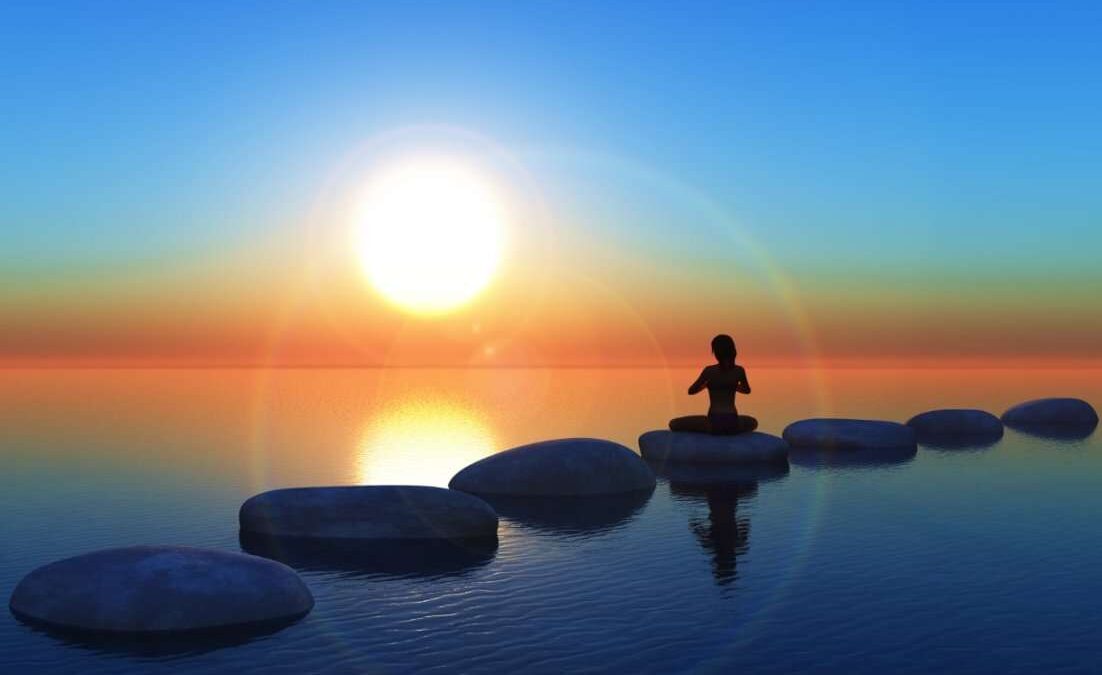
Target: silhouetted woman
722,381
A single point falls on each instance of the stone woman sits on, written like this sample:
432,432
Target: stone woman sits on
722,381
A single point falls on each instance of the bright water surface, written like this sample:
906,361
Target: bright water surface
984,560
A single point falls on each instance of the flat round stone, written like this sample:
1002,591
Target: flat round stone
1057,417
847,434
161,589
686,446
368,512
953,427
568,467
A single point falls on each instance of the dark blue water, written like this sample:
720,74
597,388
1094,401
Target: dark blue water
984,560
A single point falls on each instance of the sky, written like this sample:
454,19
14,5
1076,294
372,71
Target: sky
907,182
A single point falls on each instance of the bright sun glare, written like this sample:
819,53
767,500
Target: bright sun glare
431,234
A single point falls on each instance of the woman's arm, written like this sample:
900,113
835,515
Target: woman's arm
743,384
701,382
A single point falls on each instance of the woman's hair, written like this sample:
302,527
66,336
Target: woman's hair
723,346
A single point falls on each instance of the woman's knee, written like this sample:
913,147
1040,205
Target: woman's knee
689,423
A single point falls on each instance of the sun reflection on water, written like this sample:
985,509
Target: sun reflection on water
423,441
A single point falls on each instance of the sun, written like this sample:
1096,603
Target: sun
431,234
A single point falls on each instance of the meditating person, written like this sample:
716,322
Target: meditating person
722,381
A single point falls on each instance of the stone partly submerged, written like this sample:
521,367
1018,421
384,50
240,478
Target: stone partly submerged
368,512
161,590
956,428
372,557
565,467
847,434
851,458
1060,418
685,446
697,475
571,515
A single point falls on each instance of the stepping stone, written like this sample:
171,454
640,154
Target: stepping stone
567,467
686,446
162,590
387,512
1070,418
846,434
956,428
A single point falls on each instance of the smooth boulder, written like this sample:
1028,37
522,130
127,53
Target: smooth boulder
1053,417
566,467
956,427
386,512
847,434
161,589
686,446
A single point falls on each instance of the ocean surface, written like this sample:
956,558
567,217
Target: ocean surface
980,560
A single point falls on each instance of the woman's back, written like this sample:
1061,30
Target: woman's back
723,382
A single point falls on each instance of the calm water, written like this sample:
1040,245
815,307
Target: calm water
969,561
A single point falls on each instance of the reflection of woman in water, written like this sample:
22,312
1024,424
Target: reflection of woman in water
724,534
722,381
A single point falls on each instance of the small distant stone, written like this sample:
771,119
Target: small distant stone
686,446
847,434
567,467
959,426
1052,412
368,512
161,589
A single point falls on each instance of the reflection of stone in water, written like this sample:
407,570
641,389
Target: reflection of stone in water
689,475
1052,432
570,515
408,557
162,645
423,441
825,458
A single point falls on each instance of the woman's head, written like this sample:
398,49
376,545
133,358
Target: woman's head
723,346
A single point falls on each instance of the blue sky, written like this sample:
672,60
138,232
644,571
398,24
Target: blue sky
866,135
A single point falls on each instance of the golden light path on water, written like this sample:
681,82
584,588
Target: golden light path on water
422,440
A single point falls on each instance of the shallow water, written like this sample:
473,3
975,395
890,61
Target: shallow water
981,560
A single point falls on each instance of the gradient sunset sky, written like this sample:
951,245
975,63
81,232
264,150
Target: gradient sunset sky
917,182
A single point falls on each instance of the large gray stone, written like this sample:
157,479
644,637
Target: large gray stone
1053,417
661,445
568,467
846,434
160,589
387,512
956,427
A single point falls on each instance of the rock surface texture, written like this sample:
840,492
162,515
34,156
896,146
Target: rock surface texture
846,434
952,427
368,512
1054,415
566,467
685,446
161,589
